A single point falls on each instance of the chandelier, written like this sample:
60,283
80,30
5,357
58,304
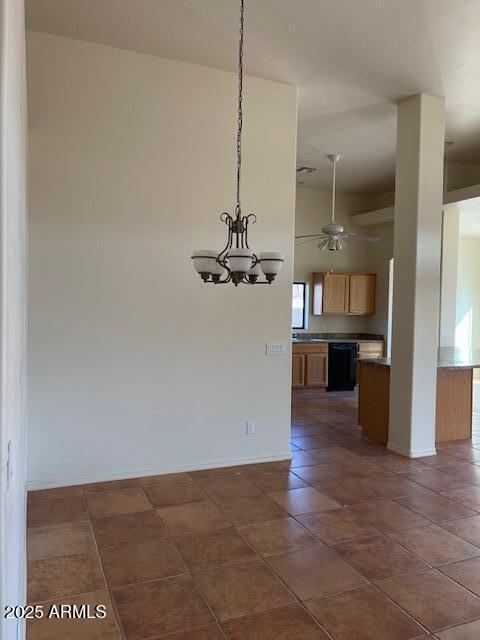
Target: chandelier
237,263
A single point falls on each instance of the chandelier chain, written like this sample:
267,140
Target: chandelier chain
240,107
236,262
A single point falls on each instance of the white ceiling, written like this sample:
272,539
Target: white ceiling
352,60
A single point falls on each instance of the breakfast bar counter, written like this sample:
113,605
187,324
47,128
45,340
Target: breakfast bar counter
454,395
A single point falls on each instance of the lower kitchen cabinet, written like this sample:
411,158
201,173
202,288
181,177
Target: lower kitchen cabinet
371,349
310,362
309,365
298,370
316,369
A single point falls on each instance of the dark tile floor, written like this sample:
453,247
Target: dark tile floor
345,541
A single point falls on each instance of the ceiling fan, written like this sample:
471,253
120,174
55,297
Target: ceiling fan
332,235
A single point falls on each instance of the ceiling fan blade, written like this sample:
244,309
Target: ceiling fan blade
355,236
298,243
312,235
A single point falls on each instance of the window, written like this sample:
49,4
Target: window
299,306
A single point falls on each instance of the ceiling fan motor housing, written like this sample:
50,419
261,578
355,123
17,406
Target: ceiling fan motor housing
333,229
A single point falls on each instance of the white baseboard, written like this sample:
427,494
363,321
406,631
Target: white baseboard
88,478
411,453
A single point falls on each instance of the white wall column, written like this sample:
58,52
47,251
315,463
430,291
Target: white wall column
448,299
416,280
13,305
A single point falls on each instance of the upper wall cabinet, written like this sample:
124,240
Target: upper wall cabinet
344,294
361,301
335,293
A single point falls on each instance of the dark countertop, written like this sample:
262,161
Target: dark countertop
448,358
307,338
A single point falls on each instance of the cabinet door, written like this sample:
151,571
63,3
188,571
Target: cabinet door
335,293
371,349
298,370
362,294
316,374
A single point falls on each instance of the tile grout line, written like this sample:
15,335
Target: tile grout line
271,570
188,572
278,577
374,585
109,591
333,594
369,582
157,579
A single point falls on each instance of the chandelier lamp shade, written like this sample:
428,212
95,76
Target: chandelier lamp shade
237,262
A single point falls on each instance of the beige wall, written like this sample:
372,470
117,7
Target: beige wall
468,293
378,261
448,296
13,298
136,366
313,210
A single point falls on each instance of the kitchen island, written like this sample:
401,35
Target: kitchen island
454,395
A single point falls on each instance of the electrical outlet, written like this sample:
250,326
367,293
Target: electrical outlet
250,427
275,349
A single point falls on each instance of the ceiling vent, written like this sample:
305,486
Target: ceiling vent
306,169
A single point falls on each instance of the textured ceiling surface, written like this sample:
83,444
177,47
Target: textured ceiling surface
352,60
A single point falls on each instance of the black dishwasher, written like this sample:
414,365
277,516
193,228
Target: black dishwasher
342,367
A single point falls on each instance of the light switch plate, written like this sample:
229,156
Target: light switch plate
275,349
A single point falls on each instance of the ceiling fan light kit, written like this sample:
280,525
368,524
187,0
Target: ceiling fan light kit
333,235
236,262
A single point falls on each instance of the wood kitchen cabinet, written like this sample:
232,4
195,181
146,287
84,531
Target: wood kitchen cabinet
454,400
298,370
344,293
316,369
371,349
309,365
361,298
335,293
310,362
